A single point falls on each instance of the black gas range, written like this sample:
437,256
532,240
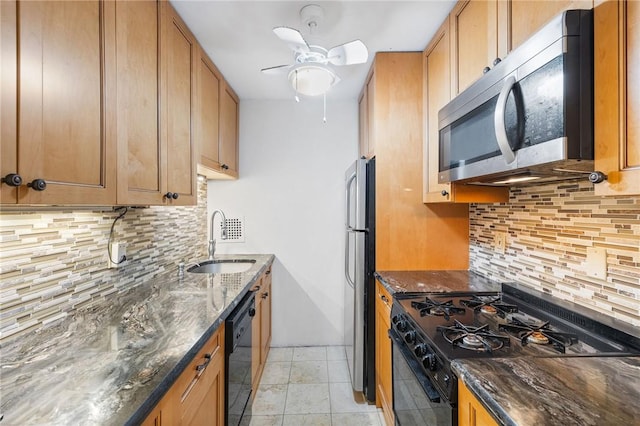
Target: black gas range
428,331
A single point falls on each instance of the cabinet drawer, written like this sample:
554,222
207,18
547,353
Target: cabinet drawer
383,300
194,384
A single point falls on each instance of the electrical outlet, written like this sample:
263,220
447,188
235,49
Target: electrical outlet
596,266
118,255
500,242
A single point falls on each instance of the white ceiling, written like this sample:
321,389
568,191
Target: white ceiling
237,36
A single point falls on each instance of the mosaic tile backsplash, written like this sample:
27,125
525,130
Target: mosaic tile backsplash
549,229
54,262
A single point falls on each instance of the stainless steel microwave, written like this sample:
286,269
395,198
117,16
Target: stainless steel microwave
530,118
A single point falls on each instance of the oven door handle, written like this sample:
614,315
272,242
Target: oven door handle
430,390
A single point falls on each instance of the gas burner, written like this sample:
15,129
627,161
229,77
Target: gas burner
432,308
479,339
491,306
540,334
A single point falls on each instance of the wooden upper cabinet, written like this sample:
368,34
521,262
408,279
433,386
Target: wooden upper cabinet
363,130
141,141
156,56
229,104
474,40
437,89
617,96
57,101
524,17
181,61
209,84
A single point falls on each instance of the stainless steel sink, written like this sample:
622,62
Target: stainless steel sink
222,266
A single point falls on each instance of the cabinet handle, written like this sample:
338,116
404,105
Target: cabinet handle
597,177
265,295
171,195
384,298
444,193
485,70
12,179
200,368
37,185
225,167
496,61
268,272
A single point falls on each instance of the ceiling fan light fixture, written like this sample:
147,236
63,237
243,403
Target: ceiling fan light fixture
312,79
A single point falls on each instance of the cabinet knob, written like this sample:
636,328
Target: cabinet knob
225,167
496,61
12,179
265,295
175,195
485,70
37,185
597,177
444,193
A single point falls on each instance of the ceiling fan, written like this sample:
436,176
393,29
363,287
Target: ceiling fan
311,73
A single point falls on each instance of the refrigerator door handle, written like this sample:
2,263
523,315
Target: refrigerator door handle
347,260
350,180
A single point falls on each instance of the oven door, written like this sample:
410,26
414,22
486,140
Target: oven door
415,400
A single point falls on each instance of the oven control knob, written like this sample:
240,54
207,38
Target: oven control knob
402,325
430,362
410,337
420,350
447,379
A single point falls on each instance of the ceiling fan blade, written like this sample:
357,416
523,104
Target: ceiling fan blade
277,70
293,38
354,52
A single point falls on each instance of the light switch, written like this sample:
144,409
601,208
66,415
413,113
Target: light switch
596,266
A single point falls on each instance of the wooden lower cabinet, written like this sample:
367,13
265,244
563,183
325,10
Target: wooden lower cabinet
197,396
471,412
384,384
261,328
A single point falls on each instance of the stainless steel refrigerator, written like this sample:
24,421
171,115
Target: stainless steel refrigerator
359,288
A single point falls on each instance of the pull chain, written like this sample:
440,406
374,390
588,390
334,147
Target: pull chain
324,107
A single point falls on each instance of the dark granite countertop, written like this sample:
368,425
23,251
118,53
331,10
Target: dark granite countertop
583,391
435,281
112,363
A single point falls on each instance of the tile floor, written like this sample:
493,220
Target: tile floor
309,386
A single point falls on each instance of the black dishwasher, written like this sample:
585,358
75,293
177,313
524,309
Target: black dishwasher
238,360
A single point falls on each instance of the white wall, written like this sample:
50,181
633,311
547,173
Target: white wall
291,194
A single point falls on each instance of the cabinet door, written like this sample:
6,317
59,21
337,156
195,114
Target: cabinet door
256,341
229,131
371,131
363,129
181,54
470,411
61,66
8,98
525,17
265,318
617,96
209,84
474,40
384,384
201,386
141,143
437,92
437,89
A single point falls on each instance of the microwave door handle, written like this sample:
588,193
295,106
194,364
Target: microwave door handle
498,121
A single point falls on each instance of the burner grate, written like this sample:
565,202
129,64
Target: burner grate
430,307
539,334
479,339
490,305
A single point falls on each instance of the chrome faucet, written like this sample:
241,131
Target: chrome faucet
223,233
